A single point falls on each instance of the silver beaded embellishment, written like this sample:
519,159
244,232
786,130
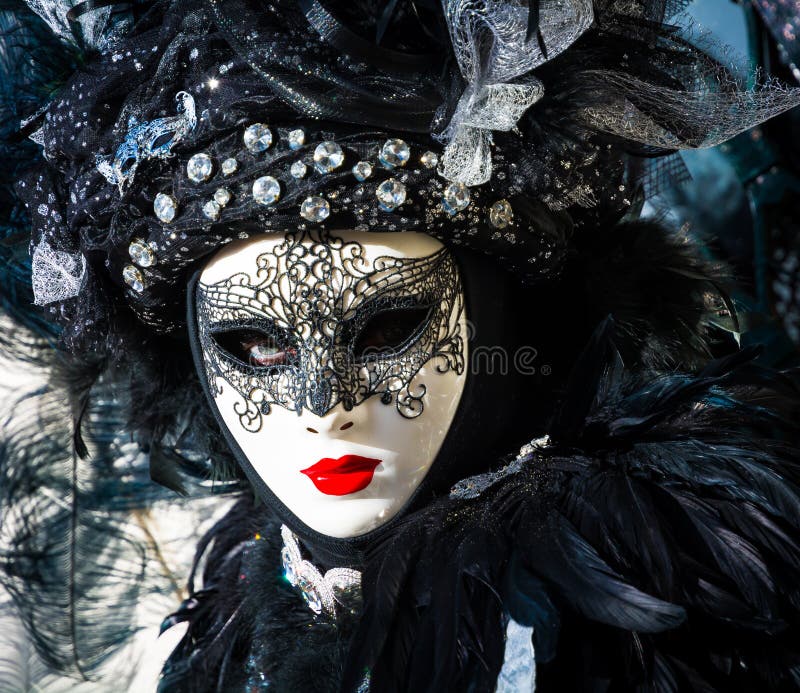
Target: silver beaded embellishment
327,156
153,139
320,592
474,486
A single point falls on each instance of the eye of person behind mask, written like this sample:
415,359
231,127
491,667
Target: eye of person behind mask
255,347
383,334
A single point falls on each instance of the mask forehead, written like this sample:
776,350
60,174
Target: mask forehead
239,254
316,292
303,282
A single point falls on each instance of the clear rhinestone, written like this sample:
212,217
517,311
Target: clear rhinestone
141,253
199,168
297,138
288,566
315,208
310,594
328,156
229,166
362,170
266,190
456,198
298,169
429,159
133,278
222,196
394,153
165,207
501,214
257,138
211,209
391,194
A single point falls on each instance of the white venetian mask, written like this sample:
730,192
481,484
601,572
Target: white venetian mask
336,364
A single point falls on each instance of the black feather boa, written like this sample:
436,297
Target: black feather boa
653,544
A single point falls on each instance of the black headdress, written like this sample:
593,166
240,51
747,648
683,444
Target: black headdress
481,124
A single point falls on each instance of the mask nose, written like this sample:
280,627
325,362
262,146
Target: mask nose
333,424
319,396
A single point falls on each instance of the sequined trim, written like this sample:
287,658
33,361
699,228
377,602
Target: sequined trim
474,486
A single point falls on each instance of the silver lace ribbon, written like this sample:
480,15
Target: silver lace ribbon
320,592
490,44
56,275
94,24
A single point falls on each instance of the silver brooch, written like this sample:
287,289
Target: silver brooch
320,592
147,141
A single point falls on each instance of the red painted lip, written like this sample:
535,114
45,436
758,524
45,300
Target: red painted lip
348,474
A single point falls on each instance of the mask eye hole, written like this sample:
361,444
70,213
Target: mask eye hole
390,331
255,348
163,139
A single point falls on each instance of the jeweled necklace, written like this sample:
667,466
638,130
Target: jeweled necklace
320,592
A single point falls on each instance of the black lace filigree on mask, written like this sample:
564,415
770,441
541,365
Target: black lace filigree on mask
321,324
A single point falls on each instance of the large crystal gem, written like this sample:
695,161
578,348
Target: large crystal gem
199,168
165,207
328,156
266,190
257,138
391,194
315,208
394,153
141,253
456,197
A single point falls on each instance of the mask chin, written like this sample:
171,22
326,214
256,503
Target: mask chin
477,436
